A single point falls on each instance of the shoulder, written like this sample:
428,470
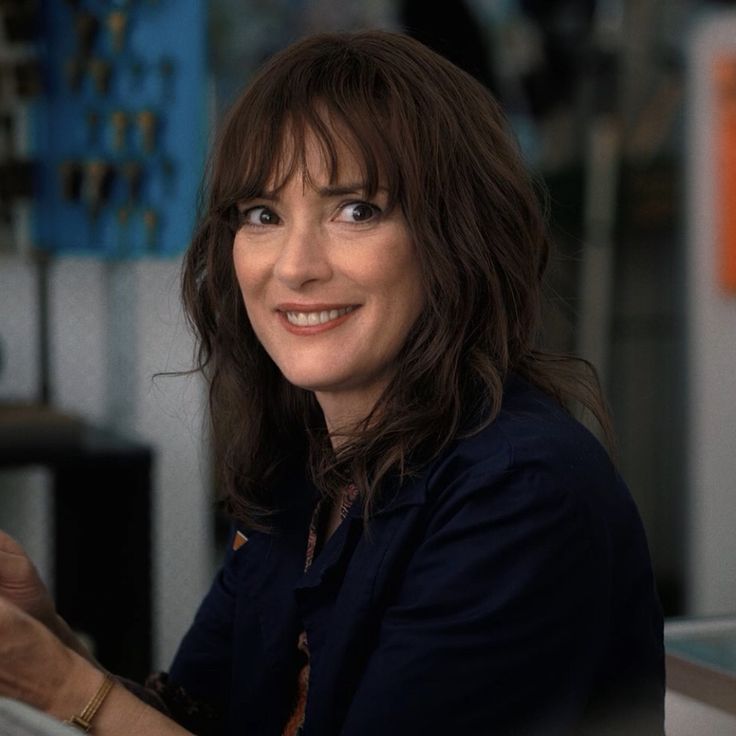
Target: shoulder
531,430
534,455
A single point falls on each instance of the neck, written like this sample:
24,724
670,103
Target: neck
344,412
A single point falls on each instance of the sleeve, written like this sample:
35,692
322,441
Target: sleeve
496,625
196,689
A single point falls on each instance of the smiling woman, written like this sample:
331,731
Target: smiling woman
385,125
424,541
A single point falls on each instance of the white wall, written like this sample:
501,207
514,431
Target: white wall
18,320
711,512
112,327
24,494
686,716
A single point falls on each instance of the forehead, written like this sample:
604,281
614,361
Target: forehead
319,159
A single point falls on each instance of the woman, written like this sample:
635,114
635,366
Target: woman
425,540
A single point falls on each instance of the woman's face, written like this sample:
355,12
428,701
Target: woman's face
331,283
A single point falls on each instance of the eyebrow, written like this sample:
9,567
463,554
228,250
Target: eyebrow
341,190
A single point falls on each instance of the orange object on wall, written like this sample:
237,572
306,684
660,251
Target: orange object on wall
725,141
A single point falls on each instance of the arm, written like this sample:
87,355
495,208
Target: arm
21,584
37,669
33,635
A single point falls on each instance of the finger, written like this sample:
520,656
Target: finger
10,545
15,564
16,568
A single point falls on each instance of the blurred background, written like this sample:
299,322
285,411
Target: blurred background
626,109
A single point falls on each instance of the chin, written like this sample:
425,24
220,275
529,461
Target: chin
311,382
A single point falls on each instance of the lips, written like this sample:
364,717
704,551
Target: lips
308,319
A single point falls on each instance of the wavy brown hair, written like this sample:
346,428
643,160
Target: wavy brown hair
437,139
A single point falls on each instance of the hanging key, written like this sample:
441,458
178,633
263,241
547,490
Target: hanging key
117,24
150,221
148,124
101,72
119,121
97,185
133,175
86,26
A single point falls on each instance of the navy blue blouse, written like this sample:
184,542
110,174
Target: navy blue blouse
507,590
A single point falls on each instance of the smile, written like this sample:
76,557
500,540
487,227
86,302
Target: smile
310,319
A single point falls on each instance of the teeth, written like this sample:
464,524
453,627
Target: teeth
307,319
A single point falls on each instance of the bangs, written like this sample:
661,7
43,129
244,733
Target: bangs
344,111
276,151
337,138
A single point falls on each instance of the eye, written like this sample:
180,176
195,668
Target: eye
358,212
258,216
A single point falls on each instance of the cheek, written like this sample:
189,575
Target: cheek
409,288
246,273
249,295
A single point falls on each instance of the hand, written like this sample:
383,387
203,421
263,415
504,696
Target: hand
21,584
35,667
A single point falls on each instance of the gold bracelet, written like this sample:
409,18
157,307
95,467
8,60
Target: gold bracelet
84,720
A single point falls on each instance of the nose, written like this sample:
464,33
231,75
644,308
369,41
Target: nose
303,257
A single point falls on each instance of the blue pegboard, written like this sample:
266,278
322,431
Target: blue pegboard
84,131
